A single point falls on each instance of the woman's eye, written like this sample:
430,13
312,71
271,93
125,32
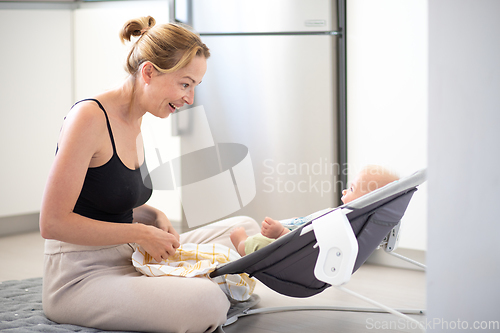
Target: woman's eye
185,85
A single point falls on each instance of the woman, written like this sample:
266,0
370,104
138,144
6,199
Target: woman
95,191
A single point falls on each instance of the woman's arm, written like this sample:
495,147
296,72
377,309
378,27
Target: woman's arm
84,133
152,216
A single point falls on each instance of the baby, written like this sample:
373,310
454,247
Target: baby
369,179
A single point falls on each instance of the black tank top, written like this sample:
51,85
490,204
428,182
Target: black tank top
112,190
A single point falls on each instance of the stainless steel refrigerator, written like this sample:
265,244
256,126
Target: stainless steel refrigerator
275,83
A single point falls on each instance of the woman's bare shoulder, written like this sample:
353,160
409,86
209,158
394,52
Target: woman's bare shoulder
84,124
86,112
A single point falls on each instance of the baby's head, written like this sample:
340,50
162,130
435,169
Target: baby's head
369,179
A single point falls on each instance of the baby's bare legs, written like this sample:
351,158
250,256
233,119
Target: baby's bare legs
273,229
270,228
238,237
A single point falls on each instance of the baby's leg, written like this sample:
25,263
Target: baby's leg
238,237
272,228
219,232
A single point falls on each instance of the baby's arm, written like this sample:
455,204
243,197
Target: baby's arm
273,229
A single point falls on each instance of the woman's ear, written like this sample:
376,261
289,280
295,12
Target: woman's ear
147,72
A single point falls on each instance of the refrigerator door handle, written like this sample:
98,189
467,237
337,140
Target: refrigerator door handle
180,11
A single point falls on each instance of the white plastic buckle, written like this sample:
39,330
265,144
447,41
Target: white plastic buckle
338,248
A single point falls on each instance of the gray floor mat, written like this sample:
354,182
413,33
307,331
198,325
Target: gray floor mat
21,309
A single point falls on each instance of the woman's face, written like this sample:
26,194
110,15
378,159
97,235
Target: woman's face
166,92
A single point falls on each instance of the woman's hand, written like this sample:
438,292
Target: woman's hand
160,244
161,239
165,225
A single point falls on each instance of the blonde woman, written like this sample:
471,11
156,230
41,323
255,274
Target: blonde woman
95,193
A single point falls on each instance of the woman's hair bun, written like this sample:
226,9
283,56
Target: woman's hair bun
136,27
169,47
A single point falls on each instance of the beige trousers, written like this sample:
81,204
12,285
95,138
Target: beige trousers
97,286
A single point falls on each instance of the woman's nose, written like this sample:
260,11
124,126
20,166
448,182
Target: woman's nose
189,98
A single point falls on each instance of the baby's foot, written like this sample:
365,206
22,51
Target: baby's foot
272,228
238,237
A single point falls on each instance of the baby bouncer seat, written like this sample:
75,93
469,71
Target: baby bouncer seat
326,251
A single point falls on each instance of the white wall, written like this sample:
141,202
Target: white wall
387,96
99,54
99,60
464,143
35,95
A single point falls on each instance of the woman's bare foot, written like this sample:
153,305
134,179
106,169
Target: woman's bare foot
272,228
238,237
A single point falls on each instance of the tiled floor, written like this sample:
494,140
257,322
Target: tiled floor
21,256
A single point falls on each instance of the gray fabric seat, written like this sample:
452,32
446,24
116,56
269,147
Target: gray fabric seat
287,265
